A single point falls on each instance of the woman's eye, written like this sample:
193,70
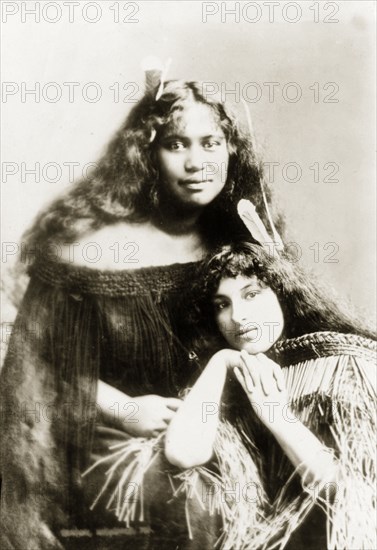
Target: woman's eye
218,306
211,144
175,146
251,295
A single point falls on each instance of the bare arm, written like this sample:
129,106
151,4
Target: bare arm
142,416
191,433
263,383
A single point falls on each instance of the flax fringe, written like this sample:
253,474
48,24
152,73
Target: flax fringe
335,394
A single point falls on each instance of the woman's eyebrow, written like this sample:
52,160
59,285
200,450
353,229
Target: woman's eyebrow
254,286
174,136
217,136
183,137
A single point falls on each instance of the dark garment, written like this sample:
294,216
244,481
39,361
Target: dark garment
78,325
75,326
157,504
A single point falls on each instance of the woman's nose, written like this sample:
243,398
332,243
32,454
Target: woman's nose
238,314
193,161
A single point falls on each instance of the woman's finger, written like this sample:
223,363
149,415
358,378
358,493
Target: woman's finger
168,415
279,377
162,424
173,403
268,381
241,379
248,378
277,372
249,367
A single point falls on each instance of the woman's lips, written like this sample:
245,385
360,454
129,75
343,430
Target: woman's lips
196,186
247,333
195,183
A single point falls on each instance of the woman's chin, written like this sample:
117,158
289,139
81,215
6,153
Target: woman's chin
253,348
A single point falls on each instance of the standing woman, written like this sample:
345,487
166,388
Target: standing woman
94,334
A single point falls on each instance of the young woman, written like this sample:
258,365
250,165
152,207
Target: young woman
93,331
299,433
312,420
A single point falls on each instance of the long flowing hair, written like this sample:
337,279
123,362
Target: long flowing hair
124,184
306,304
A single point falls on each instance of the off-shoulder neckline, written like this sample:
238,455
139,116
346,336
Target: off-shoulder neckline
171,278
71,266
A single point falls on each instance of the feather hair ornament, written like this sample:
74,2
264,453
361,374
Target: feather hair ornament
155,74
164,74
152,67
277,239
248,214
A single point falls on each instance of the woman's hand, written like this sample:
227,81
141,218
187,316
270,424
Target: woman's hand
143,416
230,358
147,415
263,381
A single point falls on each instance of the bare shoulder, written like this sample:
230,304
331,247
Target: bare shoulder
130,246
113,247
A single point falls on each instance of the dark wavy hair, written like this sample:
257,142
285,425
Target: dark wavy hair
307,306
124,184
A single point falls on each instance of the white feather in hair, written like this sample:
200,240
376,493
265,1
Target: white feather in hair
254,224
153,68
155,74
277,239
163,78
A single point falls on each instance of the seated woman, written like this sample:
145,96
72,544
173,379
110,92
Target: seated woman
300,432
268,307
109,265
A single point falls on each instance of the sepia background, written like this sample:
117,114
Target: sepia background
327,134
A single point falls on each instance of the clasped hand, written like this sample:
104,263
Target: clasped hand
152,414
263,381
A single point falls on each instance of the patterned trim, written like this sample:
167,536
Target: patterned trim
173,278
324,344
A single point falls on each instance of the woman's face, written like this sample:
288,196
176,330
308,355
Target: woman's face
193,157
248,314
